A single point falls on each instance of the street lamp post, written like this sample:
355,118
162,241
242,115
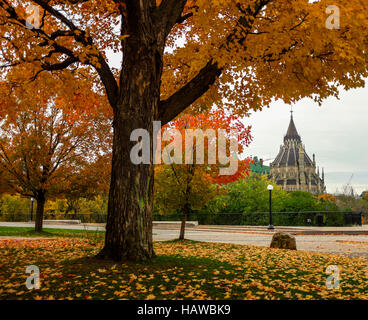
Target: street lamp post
31,215
270,226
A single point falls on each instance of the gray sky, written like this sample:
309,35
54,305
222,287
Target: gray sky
337,133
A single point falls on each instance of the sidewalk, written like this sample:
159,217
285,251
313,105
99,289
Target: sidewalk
87,226
162,225
313,230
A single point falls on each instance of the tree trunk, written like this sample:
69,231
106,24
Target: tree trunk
39,212
183,221
129,219
188,190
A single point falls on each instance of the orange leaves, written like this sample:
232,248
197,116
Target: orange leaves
192,183
196,271
51,132
284,51
132,278
281,49
327,197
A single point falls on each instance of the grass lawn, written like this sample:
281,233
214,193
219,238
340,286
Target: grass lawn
49,232
181,270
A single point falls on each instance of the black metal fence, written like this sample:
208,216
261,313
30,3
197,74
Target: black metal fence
319,218
83,217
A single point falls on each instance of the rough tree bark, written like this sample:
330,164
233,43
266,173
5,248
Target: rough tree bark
183,221
129,220
186,207
40,198
136,103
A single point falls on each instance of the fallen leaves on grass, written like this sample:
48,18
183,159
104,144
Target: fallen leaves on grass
181,270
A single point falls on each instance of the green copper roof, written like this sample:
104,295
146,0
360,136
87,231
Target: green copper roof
258,167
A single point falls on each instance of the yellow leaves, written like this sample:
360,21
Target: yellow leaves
202,271
119,293
124,36
263,54
11,291
54,113
132,278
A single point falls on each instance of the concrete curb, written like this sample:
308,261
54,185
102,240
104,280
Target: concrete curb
61,221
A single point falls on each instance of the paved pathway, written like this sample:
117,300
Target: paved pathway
24,238
89,226
351,245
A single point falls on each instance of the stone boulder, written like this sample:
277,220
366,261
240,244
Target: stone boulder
283,240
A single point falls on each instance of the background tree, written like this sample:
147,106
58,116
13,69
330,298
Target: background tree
47,142
181,53
181,190
248,195
327,202
14,207
91,181
184,186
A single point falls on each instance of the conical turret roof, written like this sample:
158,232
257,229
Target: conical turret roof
289,153
292,133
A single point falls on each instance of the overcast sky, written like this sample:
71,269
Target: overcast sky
337,133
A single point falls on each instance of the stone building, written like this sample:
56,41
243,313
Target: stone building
293,169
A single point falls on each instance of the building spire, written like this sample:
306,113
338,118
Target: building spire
292,133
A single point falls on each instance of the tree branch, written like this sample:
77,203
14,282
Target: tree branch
184,17
169,13
194,89
59,66
56,14
103,69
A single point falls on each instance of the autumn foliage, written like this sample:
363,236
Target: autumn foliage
327,197
180,54
185,270
51,140
182,185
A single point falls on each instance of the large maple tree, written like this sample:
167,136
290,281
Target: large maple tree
181,53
